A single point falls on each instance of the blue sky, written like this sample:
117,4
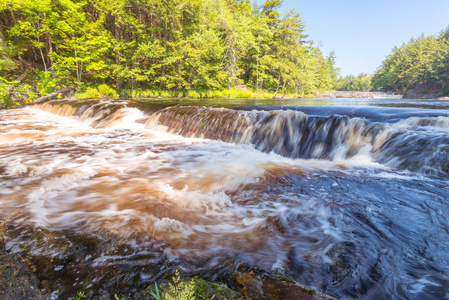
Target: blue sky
362,33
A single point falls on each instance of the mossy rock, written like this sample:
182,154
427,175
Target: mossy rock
275,286
16,279
215,290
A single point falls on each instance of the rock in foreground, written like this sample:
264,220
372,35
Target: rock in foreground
16,279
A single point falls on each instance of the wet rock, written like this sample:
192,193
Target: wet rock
218,291
353,94
273,286
420,94
286,98
16,279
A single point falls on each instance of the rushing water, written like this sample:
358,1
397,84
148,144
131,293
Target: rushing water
349,199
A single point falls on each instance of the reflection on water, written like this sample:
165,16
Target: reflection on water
103,186
343,102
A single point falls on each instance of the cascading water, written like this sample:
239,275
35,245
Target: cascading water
294,134
352,202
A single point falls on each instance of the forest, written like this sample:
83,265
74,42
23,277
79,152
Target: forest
171,48
422,64
361,82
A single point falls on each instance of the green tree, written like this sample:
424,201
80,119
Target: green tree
419,64
167,45
363,82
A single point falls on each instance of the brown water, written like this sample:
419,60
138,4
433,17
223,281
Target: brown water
351,205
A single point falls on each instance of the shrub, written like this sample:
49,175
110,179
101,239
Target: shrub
90,93
46,83
106,91
445,90
193,94
180,290
166,94
103,91
149,93
4,94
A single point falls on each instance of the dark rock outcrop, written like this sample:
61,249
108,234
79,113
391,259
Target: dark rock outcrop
354,94
16,279
420,94
272,286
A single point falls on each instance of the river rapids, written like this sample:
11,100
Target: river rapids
350,200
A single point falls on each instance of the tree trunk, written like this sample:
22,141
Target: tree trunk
2,42
279,79
40,50
161,86
179,75
54,94
118,37
50,50
3,55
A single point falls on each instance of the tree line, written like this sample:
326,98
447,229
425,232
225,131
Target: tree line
159,44
421,64
361,82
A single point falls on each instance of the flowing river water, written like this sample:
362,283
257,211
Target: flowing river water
350,197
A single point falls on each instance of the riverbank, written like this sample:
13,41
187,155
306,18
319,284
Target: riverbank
18,281
424,94
104,92
356,94
24,274
412,94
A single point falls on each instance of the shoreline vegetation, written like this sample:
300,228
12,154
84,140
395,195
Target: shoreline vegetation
19,282
238,92
154,48
104,92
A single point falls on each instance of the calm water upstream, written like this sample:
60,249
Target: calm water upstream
348,196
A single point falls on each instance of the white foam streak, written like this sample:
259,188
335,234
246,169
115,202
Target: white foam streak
194,200
120,178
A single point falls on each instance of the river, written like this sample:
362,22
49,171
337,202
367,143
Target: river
348,196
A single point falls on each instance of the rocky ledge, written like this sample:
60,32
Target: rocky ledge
16,279
355,94
421,94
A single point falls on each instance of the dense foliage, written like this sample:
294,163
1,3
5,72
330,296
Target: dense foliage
362,82
158,44
421,64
